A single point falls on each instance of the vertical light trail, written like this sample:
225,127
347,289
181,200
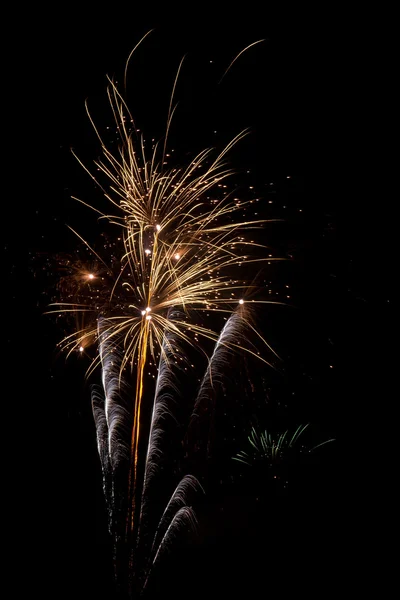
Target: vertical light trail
146,334
132,485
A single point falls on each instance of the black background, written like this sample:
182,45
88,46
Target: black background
296,93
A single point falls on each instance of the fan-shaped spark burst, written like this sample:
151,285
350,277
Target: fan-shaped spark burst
271,448
179,248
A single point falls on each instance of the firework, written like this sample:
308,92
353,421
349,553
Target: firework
270,450
176,256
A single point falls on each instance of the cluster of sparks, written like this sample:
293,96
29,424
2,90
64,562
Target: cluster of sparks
269,448
180,246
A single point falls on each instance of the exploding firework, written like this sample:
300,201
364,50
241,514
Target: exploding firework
175,257
273,449
277,459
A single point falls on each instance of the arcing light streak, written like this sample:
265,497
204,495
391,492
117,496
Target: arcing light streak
183,518
231,337
117,414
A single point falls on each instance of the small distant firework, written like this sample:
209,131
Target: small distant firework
270,450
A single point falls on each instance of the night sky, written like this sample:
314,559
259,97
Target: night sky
291,92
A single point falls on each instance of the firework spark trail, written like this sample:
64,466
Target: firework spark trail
163,398
183,518
133,479
118,421
238,55
161,410
228,340
178,499
116,412
123,434
100,420
232,337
